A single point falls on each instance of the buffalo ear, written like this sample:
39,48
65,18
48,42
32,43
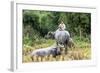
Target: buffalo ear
52,33
49,32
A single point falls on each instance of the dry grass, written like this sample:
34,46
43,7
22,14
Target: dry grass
81,51
73,54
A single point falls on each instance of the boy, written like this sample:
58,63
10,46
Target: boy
62,26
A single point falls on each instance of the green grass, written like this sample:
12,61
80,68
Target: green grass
47,43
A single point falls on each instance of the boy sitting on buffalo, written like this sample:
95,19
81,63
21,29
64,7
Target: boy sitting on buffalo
62,26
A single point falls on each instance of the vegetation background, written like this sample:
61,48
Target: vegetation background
36,25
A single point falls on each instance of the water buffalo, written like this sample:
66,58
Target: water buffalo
46,51
62,38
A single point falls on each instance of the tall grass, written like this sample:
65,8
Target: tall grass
81,51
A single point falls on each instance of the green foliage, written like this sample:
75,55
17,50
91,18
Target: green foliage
44,21
84,42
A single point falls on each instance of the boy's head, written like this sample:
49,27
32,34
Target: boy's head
62,22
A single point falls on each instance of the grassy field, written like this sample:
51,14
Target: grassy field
81,51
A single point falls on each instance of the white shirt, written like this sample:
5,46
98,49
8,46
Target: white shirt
62,27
